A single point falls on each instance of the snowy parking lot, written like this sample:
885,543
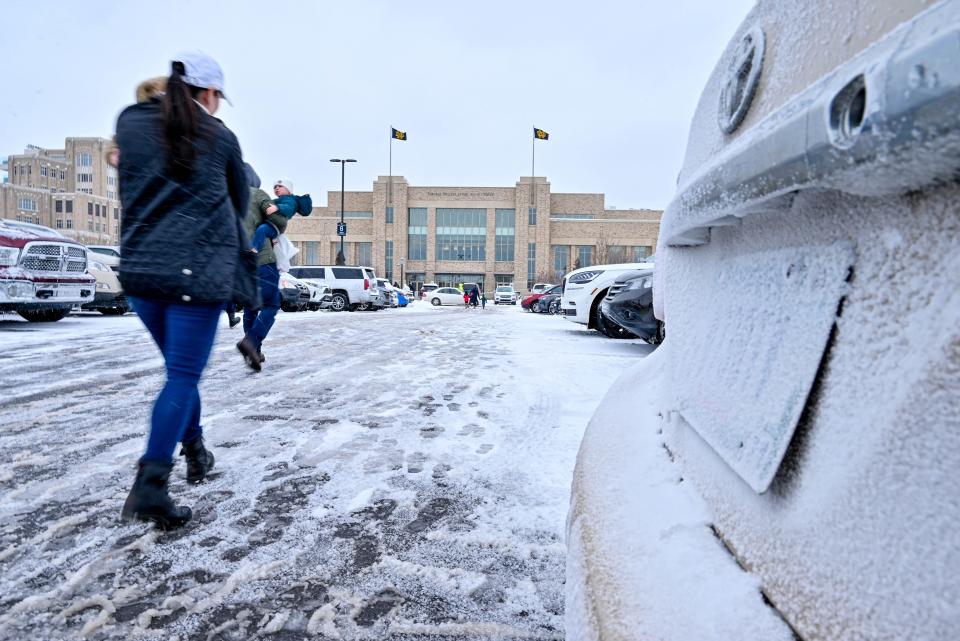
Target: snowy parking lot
398,474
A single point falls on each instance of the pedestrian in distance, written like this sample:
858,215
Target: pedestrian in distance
258,323
474,296
466,300
182,188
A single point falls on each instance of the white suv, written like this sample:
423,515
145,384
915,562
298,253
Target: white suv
505,294
584,289
351,287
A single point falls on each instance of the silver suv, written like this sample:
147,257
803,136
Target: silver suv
505,294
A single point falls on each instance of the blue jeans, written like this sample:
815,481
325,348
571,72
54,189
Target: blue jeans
184,333
257,324
261,234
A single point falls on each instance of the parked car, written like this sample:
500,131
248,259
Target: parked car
627,309
784,465
388,292
539,288
446,296
109,298
320,297
426,288
352,286
532,302
505,295
107,254
584,289
549,303
43,274
294,295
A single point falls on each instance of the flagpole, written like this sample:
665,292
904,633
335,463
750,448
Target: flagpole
390,179
533,164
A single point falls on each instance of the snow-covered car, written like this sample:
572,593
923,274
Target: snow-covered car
294,294
109,298
107,254
584,289
388,292
539,288
505,295
43,274
785,465
627,309
445,296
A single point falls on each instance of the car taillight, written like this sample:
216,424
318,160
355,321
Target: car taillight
366,283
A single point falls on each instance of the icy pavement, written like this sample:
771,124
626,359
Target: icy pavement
399,474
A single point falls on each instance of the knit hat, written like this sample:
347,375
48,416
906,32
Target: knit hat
285,182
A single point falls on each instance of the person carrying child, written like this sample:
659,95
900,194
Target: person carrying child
287,205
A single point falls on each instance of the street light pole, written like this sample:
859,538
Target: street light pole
341,257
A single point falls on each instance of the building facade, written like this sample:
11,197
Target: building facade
489,235
73,190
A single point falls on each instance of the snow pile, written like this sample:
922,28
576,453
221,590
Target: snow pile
643,560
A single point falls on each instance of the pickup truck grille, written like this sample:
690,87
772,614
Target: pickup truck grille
54,257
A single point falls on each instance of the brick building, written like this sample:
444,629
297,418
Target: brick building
72,190
490,235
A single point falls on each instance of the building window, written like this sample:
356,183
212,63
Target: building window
389,214
504,234
417,233
27,204
455,280
84,160
533,215
85,178
461,234
415,280
531,264
616,254
58,206
63,175
311,251
43,170
116,213
89,209
356,214
640,253
69,206
365,254
584,255
503,279
96,209
388,260
59,223
561,260
69,223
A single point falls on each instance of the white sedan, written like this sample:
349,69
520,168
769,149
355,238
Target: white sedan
445,296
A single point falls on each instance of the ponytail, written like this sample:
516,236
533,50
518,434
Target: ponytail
181,120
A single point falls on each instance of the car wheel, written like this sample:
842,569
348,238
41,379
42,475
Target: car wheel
554,307
339,303
44,315
535,307
364,307
435,302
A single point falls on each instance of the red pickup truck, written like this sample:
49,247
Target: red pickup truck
43,274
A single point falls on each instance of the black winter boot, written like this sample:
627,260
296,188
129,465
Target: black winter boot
199,460
149,501
251,356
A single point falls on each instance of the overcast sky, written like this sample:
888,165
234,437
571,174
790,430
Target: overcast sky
614,83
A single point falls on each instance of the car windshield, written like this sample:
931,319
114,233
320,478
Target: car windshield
504,288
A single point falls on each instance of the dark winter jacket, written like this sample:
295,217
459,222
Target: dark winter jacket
180,240
256,215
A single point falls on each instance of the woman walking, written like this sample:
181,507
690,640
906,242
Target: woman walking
183,190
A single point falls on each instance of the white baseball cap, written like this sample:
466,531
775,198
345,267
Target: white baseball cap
285,182
200,70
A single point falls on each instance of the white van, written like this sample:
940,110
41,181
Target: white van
351,286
